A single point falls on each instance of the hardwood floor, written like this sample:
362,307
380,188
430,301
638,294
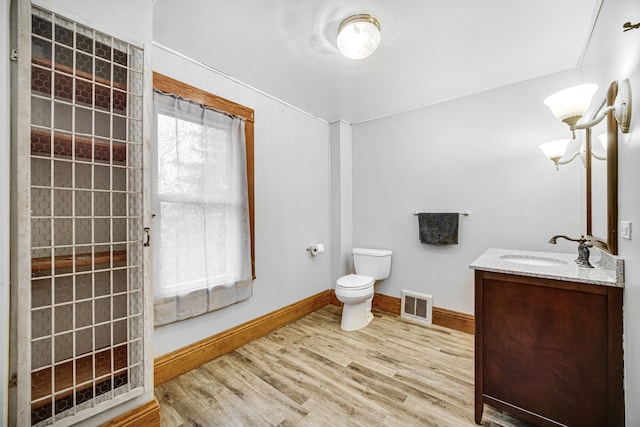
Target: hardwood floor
311,373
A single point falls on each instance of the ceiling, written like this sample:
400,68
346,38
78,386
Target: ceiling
431,50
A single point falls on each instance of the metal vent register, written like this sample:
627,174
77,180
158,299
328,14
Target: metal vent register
416,307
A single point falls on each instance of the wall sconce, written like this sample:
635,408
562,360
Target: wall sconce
569,105
358,36
555,150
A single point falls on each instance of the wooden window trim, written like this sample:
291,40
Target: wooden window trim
168,85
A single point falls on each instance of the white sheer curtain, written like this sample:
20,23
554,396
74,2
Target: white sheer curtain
201,241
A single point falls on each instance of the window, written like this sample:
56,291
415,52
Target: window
203,202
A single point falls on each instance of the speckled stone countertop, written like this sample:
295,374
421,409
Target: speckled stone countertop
608,269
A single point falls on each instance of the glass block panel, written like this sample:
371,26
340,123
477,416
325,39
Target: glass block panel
137,58
40,202
102,203
119,230
62,174
63,289
84,285
84,341
103,332
84,65
83,231
135,83
64,318
40,232
119,77
119,130
102,177
63,347
41,81
102,230
83,124
84,314
120,57
40,172
102,283
119,102
41,51
119,180
64,36
41,27
63,202
103,51
82,191
102,124
41,322
103,71
41,292
119,280
40,353
83,175
40,112
62,116
84,43
135,327
83,203
63,59
119,203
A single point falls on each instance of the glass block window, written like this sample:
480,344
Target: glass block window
86,219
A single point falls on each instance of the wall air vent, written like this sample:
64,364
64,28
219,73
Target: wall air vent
416,307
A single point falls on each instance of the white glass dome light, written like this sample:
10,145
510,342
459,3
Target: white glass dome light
358,36
554,150
569,105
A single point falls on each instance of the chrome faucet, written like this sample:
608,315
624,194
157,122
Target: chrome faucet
583,249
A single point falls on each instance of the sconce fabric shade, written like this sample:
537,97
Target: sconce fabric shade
358,36
555,149
570,104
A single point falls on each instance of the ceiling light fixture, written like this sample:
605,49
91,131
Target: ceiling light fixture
358,36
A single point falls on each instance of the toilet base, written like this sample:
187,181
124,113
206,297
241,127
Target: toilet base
356,316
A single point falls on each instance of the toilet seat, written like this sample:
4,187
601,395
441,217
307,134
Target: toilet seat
354,282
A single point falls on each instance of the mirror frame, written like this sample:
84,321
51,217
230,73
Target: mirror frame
610,242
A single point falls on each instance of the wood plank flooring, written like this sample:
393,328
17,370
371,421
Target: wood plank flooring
311,373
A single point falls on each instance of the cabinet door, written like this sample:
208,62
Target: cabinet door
79,164
545,349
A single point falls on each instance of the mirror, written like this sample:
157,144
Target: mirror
602,179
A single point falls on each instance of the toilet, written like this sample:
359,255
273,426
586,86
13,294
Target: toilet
355,291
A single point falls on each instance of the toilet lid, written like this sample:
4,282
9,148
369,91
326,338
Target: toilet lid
354,281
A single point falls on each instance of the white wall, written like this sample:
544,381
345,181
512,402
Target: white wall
613,55
5,162
291,205
479,154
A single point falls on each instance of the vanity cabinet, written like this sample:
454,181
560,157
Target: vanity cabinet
549,351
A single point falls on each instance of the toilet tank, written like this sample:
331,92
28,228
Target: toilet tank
374,263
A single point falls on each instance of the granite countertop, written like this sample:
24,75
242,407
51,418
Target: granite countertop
608,269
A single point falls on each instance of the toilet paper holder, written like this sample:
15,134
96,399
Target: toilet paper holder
315,249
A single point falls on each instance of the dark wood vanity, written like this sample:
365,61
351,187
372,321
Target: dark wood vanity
549,351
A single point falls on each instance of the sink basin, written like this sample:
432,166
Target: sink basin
533,260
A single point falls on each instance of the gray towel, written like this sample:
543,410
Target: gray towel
438,228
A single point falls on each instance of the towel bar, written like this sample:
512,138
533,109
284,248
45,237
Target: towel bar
467,213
